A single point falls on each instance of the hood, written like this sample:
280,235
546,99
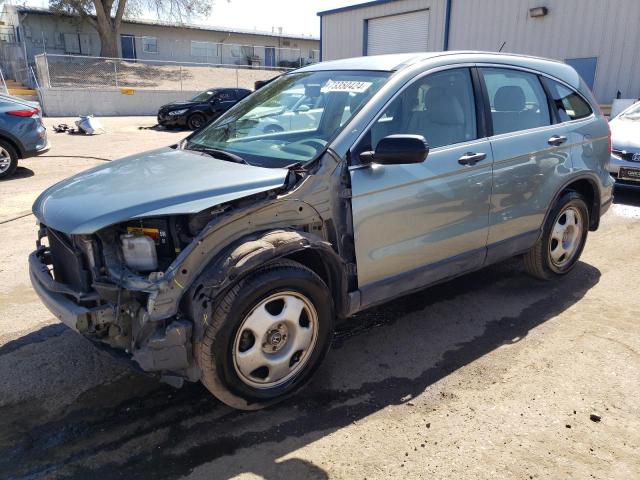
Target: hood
155,183
179,105
625,134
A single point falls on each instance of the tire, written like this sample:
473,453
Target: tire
8,159
196,121
248,327
563,239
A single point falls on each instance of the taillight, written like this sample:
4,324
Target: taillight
24,113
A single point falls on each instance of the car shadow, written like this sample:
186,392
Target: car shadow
383,357
19,174
627,195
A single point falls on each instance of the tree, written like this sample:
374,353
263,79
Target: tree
106,15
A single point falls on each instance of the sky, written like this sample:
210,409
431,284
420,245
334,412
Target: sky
294,16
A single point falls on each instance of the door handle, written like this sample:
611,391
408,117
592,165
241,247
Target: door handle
471,158
557,140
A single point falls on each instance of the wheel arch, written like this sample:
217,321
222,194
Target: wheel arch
252,252
14,143
587,186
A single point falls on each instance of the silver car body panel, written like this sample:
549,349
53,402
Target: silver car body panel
161,182
403,226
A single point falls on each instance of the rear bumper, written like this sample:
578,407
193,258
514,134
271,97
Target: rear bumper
35,153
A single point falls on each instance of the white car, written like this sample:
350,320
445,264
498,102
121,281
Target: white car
624,163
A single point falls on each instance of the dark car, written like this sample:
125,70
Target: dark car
22,133
201,109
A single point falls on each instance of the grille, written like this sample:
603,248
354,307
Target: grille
628,156
68,264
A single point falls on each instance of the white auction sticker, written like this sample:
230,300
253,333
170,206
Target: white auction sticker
345,86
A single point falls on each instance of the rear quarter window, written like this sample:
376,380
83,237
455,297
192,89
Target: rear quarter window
570,105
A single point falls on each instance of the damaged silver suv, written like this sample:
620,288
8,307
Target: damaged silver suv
229,257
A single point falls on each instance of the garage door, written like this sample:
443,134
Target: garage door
407,32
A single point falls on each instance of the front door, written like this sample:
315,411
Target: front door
269,57
128,46
415,224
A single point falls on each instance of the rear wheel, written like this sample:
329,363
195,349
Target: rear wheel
8,159
563,239
266,336
195,121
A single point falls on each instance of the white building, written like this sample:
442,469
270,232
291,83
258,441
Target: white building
600,38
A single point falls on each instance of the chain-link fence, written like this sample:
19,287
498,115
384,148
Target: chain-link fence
74,71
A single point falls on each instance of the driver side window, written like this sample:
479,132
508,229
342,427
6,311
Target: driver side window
440,107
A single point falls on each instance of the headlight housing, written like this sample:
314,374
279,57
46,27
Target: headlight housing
177,112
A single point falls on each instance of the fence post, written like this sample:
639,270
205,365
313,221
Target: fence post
4,84
237,81
180,77
115,72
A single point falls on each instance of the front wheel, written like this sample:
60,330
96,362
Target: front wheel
563,239
196,121
266,336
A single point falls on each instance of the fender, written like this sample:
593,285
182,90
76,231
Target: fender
13,140
592,178
218,236
253,251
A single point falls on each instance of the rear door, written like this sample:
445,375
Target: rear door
531,158
415,224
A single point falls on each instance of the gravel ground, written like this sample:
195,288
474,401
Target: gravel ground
493,375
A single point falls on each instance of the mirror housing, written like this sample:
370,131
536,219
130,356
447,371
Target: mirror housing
302,108
398,150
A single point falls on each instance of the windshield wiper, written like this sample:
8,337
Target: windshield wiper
214,152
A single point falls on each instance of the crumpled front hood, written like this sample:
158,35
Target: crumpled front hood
625,135
155,183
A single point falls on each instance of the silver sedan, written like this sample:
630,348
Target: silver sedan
624,163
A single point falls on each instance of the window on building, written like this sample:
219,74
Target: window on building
149,44
71,43
517,99
570,105
205,49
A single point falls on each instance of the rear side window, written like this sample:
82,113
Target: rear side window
570,105
517,99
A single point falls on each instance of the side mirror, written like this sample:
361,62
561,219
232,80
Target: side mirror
398,150
303,108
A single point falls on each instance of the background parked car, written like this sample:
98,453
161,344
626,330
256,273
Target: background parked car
624,163
22,133
201,109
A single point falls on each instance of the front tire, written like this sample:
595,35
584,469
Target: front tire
8,159
265,336
563,239
196,121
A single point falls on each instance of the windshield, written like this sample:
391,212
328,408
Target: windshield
633,113
291,119
204,96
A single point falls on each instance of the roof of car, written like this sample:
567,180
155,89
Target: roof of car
396,61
